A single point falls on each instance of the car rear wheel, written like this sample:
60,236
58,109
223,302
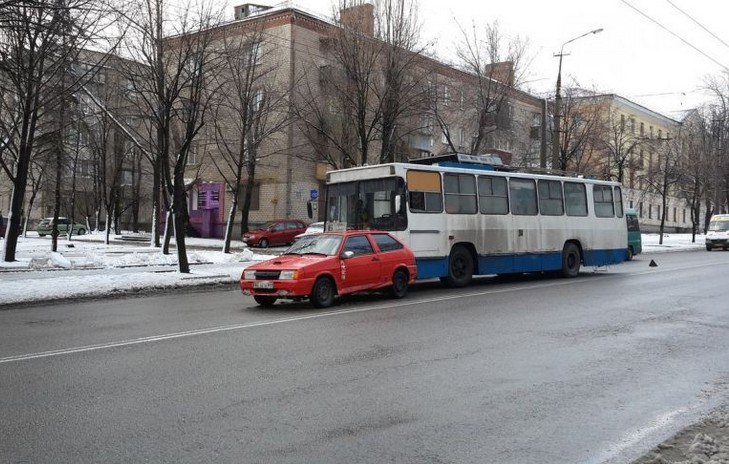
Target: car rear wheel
322,295
81,232
263,243
266,301
399,284
708,247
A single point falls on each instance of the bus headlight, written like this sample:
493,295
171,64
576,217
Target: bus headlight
249,275
289,275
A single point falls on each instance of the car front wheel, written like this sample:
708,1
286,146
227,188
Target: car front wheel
81,232
322,295
263,243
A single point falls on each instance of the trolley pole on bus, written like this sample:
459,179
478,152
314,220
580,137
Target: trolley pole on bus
558,103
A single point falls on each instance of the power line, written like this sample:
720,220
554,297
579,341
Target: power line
674,34
698,23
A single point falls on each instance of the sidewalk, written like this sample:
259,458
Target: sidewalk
86,267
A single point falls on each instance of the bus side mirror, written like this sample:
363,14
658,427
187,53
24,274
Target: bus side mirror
398,203
309,209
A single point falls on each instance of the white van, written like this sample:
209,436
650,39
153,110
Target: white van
718,234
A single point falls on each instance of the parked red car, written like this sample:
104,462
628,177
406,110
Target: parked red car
278,232
321,266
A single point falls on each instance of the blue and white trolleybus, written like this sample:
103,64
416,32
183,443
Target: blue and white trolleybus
466,215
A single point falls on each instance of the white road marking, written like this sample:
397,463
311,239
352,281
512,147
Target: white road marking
228,328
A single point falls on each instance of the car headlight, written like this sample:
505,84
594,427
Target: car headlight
249,275
289,275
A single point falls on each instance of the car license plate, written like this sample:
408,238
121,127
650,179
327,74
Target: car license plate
263,284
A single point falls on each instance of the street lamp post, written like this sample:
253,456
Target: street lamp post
558,102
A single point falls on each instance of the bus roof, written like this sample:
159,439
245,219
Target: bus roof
377,171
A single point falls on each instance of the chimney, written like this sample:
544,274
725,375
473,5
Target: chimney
502,72
360,18
248,9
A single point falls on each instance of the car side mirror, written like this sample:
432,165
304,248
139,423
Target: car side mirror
347,254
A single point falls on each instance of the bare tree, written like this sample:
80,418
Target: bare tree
251,108
356,109
696,141
582,133
496,66
37,43
171,84
665,175
621,143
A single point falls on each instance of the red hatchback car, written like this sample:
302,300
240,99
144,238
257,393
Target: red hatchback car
321,266
278,232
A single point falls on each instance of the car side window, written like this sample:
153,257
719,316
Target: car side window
279,227
386,242
359,245
294,225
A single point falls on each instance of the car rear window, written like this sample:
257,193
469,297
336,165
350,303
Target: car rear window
386,242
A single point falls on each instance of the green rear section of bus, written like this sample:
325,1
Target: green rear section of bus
635,245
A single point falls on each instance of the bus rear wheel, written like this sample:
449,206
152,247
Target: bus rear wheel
460,267
570,260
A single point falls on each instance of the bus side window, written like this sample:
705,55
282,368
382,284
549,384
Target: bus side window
424,192
523,194
575,199
603,199
550,198
493,198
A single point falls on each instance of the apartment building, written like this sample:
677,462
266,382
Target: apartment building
643,149
297,51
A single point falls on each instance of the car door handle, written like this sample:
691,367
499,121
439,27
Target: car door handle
375,258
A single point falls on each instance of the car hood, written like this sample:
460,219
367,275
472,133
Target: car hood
290,262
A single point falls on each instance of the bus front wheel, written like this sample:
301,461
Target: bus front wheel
460,267
570,260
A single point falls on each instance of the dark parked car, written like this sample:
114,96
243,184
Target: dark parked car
278,232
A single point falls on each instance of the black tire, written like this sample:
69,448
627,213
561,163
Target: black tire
322,295
43,235
81,232
460,267
708,247
399,284
266,301
263,243
630,255
570,260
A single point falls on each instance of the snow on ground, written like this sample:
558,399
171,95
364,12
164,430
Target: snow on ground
86,267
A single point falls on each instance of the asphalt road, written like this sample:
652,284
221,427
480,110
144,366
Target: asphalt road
596,369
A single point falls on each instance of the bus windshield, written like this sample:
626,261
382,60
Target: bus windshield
367,204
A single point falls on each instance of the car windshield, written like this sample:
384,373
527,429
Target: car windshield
317,244
719,225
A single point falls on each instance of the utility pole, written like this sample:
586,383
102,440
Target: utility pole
556,148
